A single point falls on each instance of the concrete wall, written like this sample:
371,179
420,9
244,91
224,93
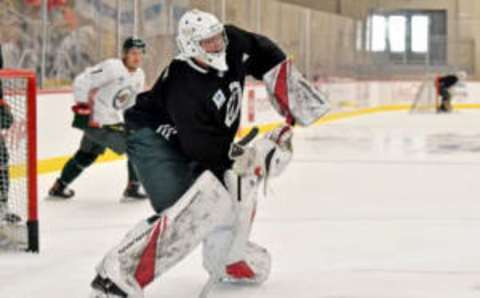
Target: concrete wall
317,40
321,35
460,46
463,30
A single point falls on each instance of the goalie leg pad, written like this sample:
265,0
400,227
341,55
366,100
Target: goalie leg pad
228,248
251,266
254,269
157,244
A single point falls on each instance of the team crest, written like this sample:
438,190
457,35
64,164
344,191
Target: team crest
123,98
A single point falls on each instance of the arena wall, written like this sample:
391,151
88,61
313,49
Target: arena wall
57,139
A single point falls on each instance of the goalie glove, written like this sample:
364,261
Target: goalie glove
82,113
268,156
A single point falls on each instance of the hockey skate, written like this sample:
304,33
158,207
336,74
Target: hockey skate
60,191
254,269
132,193
112,280
105,288
7,216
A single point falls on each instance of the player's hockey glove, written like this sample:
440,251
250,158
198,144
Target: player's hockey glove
268,156
82,113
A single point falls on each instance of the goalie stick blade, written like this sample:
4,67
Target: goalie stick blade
237,148
249,137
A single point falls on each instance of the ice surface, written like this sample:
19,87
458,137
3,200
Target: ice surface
385,205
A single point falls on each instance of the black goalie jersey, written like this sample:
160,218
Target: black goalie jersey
198,109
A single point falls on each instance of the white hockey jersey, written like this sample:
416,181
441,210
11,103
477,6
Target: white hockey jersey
110,89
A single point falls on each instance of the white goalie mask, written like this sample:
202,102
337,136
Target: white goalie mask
195,26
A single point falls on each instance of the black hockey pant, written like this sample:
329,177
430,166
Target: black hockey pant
94,143
165,173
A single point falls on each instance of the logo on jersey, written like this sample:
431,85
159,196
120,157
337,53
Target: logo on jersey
123,98
219,99
234,104
166,130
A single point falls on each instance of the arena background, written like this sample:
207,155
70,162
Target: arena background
383,205
335,43
328,39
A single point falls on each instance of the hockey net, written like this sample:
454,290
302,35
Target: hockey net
426,97
18,176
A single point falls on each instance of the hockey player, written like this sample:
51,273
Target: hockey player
201,185
444,84
102,93
6,121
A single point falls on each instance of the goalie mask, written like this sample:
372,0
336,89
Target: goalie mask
195,27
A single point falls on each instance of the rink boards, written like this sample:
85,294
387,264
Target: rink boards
57,140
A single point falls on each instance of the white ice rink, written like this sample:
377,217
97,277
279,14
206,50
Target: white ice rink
384,205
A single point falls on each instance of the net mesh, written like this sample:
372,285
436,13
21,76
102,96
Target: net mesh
14,163
426,99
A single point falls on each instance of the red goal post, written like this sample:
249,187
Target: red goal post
20,139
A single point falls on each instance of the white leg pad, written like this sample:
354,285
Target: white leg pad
259,261
228,243
157,244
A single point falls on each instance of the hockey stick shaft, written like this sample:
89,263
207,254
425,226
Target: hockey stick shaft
249,136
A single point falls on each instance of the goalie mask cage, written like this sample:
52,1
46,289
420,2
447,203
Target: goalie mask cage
18,161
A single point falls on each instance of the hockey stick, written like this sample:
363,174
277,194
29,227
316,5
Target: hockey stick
237,150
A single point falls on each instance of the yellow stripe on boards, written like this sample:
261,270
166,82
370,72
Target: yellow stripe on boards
55,164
